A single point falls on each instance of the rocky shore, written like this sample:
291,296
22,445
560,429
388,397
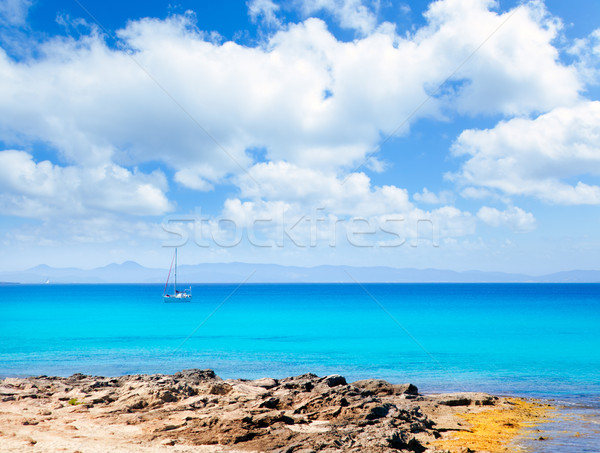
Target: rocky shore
196,411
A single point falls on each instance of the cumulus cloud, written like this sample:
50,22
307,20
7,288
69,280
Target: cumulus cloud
284,181
352,14
587,52
428,197
515,67
42,190
553,157
304,96
513,217
14,12
288,193
264,10
315,104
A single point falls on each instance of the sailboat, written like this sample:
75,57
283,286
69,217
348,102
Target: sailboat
176,296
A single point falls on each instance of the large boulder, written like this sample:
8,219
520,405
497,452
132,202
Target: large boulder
381,387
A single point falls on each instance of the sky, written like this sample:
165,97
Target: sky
452,134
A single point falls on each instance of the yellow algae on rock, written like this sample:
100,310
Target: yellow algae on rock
493,428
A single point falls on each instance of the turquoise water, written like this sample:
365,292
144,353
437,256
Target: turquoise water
522,339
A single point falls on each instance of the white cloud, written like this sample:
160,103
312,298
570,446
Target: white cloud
476,193
587,52
513,217
314,188
287,193
510,63
265,10
444,197
304,96
315,104
405,8
352,14
552,157
197,177
42,190
14,12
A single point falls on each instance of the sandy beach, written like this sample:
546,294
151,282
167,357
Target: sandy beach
196,411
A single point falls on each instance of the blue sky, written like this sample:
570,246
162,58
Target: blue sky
459,134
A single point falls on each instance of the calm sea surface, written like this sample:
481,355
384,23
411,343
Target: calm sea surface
522,339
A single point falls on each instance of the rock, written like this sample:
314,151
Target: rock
167,396
105,397
298,414
400,441
196,376
266,383
249,390
137,405
456,402
270,403
269,419
406,389
377,386
376,412
77,377
318,426
381,387
334,380
305,382
466,399
220,389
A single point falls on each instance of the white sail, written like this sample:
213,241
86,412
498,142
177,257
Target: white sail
177,296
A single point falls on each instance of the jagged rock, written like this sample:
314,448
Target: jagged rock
166,396
377,386
466,399
270,403
304,413
266,383
376,412
401,441
334,380
196,376
381,387
220,388
77,377
137,404
405,389
304,382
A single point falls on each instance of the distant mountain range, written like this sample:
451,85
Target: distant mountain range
132,272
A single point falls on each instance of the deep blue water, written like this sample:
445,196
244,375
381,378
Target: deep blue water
539,340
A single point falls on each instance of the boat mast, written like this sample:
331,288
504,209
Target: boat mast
175,280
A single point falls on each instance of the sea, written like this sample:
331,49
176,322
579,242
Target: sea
529,340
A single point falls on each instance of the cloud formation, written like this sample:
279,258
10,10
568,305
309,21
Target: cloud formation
285,123
351,14
14,12
514,218
264,10
552,157
45,190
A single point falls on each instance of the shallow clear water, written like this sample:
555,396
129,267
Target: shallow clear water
521,339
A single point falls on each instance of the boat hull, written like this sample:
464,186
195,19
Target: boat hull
177,298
